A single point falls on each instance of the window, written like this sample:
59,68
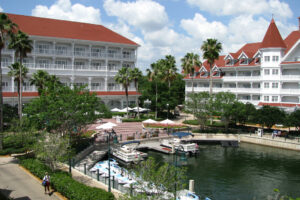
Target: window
61,50
266,85
79,51
43,48
267,72
274,98
4,84
79,65
126,54
61,62
266,98
267,58
96,86
275,58
274,71
43,63
274,85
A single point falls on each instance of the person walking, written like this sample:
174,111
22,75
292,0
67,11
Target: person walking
46,183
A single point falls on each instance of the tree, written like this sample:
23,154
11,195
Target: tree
15,70
39,79
123,78
168,69
211,49
52,148
200,105
188,63
22,45
155,74
64,111
224,102
294,119
136,75
7,28
160,178
269,115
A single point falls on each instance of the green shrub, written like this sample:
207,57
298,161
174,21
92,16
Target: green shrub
132,120
64,184
191,122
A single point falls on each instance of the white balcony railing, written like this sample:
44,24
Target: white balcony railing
241,78
290,91
82,54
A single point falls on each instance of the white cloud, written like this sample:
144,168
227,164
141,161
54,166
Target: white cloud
144,14
1,9
63,9
244,7
199,27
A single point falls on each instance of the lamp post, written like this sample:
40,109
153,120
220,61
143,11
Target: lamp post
108,155
147,102
167,111
180,147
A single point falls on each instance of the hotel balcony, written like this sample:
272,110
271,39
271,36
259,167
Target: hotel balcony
241,78
239,90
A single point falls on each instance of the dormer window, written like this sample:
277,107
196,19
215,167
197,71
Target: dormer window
244,61
202,73
257,60
229,62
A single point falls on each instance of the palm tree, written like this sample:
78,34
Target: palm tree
6,29
154,75
211,49
123,77
189,62
39,79
169,69
135,75
15,72
22,45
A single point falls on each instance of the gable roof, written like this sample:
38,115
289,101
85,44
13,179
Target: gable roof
46,27
272,37
291,39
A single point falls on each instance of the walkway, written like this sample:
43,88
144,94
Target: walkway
15,182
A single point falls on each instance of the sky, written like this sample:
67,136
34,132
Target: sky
175,27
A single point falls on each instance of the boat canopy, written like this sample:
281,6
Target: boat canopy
182,134
130,142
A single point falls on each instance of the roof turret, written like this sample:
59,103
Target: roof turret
272,37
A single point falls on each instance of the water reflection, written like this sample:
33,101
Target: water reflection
242,173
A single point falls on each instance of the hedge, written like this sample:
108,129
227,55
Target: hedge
64,184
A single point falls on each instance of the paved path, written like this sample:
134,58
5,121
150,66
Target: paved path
15,182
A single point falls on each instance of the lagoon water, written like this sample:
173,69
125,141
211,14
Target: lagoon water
244,173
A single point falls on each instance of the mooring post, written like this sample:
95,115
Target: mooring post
191,185
98,175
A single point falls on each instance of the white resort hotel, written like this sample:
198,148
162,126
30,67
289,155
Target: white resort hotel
263,73
77,53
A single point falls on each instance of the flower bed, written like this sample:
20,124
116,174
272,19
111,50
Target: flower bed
158,125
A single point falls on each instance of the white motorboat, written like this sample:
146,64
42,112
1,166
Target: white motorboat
180,145
128,153
186,195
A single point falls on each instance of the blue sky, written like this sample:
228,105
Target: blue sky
173,27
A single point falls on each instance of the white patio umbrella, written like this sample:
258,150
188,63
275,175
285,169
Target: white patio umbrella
150,121
106,126
125,109
167,121
115,110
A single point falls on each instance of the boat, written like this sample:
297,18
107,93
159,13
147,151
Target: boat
180,144
128,153
187,195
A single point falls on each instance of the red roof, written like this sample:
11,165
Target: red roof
291,39
272,37
278,104
38,26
